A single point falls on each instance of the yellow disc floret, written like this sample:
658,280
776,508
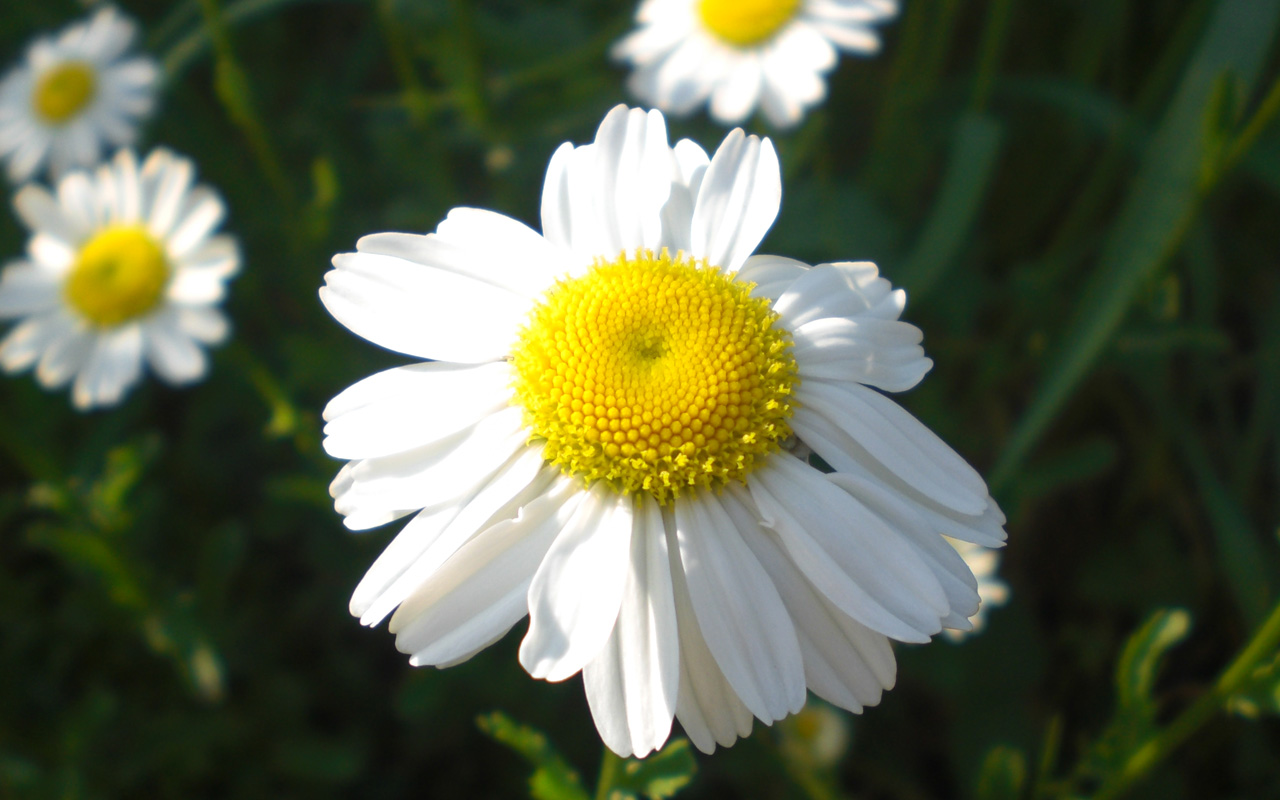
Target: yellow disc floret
656,375
119,274
64,91
746,23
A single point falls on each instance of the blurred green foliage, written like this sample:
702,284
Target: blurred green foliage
1081,198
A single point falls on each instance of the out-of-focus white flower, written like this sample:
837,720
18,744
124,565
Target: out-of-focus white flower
123,267
815,738
600,443
983,563
740,54
74,94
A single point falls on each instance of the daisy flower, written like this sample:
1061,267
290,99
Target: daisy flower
738,54
122,267
73,94
605,441
983,563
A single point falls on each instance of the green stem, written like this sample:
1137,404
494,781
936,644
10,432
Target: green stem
232,86
415,96
610,769
1048,762
470,85
1244,142
993,39
1156,749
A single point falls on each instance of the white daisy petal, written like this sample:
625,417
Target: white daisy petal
557,213
845,662
217,255
677,215
633,683
737,201
772,275
201,212
75,198
436,471
803,47
853,38
846,289
41,211
480,591
875,352
577,591
835,446
617,185
196,286
942,559
479,244
27,289
733,100
174,356
709,710
113,366
170,180
856,560
421,310
742,618
24,345
435,534
205,325
993,592
64,356
406,407
887,434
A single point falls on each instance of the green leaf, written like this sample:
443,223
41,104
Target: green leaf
1074,463
1221,118
1149,227
662,774
1261,694
553,778
1004,774
1133,722
1140,661
974,156
90,554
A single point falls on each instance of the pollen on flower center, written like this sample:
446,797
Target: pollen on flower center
655,374
745,23
64,91
119,274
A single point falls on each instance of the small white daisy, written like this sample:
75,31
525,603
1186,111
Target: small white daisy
738,54
984,563
601,444
75,93
123,266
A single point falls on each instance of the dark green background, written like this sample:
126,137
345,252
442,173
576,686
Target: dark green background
1100,293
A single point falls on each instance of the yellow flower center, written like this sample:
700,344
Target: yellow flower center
746,23
64,91
656,375
119,275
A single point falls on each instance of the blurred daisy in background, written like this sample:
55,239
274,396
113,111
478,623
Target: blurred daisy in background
602,442
123,267
740,54
74,94
984,563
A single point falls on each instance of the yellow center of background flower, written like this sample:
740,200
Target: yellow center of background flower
119,275
64,91
656,375
746,23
